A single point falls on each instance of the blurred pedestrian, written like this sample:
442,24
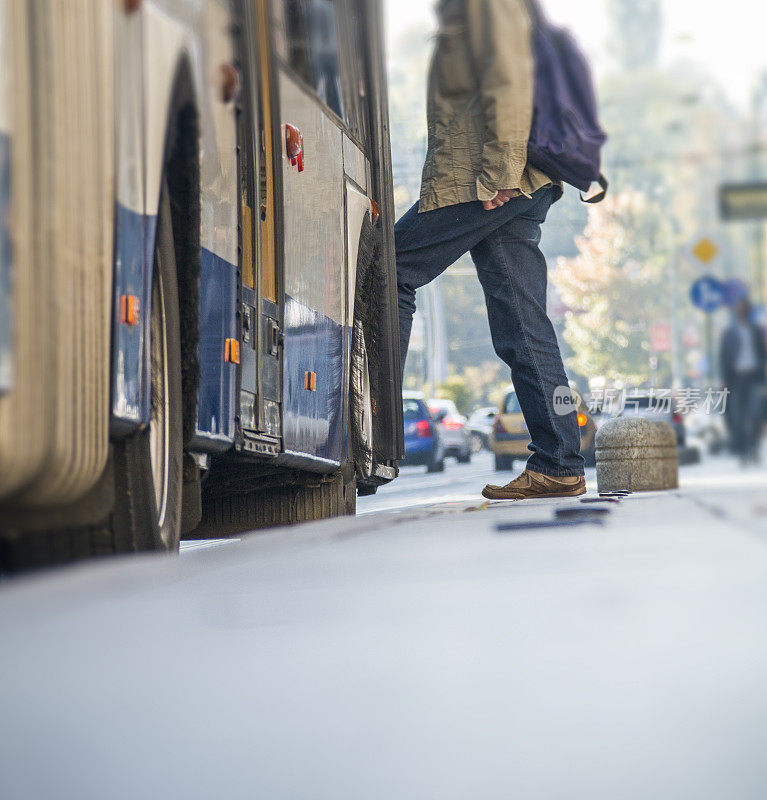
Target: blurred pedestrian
743,364
479,194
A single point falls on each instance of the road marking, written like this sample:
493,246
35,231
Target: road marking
447,499
203,544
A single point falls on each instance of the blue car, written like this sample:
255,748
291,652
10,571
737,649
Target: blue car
423,438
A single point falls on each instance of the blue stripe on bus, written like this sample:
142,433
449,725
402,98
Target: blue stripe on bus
134,255
313,420
134,246
6,317
218,378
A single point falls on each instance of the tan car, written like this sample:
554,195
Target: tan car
509,437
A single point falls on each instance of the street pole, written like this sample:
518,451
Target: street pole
674,269
710,347
759,264
758,101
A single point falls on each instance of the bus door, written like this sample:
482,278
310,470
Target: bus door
311,108
261,298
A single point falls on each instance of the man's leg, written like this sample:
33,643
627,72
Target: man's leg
427,244
512,271
738,411
751,420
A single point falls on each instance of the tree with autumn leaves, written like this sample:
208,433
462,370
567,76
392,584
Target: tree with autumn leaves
615,288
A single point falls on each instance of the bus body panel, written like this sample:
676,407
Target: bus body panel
216,395
313,419
162,35
356,165
321,234
134,230
315,279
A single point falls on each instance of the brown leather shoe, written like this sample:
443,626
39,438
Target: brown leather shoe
534,484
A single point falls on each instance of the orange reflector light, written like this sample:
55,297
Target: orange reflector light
582,420
310,381
375,212
232,351
129,309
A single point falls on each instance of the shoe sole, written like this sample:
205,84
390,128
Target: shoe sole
524,496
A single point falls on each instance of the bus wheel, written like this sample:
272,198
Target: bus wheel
348,491
361,404
148,464
315,497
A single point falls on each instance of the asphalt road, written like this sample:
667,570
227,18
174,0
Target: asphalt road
441,649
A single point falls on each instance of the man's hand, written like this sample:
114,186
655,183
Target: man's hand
500,199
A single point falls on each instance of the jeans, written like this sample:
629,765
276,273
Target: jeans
512,270
744,414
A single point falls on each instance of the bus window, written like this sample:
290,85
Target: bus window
353,68
312,47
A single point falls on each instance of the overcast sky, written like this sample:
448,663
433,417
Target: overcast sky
727,38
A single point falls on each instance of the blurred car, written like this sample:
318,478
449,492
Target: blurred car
651,405
509,437
708,429
423,434
480,426
454,431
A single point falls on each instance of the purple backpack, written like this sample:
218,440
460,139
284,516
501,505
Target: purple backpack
565,138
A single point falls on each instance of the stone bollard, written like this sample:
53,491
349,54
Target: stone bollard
636,454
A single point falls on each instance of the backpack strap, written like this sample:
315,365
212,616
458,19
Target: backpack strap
599,196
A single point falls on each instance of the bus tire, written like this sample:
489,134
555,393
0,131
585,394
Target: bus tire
349,491
149,463
316,497
134,523
360,404
366,353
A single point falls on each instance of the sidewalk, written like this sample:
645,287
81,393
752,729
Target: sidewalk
714,493
437,653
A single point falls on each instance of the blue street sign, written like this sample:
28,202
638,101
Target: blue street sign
707,294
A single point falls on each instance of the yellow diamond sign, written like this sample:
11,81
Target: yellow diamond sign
705,250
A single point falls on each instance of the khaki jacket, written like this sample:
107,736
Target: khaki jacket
480,104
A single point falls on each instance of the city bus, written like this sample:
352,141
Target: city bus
198,319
